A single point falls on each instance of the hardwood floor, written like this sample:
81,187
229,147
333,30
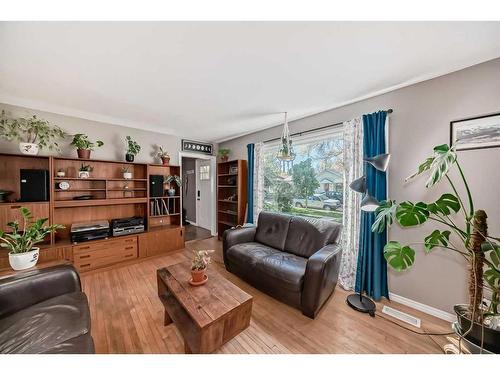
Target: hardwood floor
127,317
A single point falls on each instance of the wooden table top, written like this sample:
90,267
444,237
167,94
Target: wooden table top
206,303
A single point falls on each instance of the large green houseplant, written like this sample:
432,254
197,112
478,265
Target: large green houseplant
21,240
33,133
462,231
84,145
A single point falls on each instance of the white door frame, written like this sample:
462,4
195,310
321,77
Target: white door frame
213,190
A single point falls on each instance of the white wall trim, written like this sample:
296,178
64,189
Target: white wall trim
422,307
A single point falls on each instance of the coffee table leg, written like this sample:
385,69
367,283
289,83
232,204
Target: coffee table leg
167,320
187,349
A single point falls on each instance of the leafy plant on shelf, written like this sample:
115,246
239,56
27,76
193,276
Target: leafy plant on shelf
466,231
31,233
86,168
173,178
133,148
31,130
161,153
82,142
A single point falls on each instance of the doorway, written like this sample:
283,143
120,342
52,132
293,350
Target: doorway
198,195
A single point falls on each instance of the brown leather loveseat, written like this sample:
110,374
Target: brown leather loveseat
44,311
293,259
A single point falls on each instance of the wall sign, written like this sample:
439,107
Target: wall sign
200,147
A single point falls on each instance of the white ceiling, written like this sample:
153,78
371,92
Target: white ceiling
217,80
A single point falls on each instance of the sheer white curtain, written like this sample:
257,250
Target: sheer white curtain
258,181
353,169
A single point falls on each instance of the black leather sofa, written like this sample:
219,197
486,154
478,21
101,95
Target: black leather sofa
293,259
44,311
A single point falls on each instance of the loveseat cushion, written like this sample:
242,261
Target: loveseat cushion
46,325
308,235
285,269
247,254
272,229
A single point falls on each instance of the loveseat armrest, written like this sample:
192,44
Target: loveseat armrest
236,236
320,279
29,288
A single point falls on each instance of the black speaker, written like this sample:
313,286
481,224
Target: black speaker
34,185
155,186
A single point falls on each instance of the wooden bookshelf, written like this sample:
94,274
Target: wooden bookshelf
111,197
231,194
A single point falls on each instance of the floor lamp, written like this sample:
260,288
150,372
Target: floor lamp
369,203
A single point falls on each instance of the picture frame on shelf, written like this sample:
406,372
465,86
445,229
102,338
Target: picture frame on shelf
475,133
233,169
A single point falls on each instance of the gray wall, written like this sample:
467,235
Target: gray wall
113,137
421,119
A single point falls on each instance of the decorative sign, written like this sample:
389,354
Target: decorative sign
200,147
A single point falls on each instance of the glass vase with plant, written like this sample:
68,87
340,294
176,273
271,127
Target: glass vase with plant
224,154
199,264
163,155
33,134
84,146
133,148
21,241
461,230
84,171
172,179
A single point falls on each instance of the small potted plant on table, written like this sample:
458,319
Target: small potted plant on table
224,154
133,148
84,146
163,155
199,265
33,134
22,253
84,171
172,178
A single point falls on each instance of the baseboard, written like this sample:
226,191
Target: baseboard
424,308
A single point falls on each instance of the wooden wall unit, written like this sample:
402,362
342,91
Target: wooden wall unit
113,197
231,194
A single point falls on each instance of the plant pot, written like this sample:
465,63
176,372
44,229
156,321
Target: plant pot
22,261
170,192
127,175
83,154
61,174
129,158
197,276
224,158
29,148
489,337
165,161
83,174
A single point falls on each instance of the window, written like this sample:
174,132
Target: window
204,172
314,187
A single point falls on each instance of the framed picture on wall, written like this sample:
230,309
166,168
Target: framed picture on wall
476,132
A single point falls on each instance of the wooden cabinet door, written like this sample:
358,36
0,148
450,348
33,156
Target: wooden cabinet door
10,212
161,241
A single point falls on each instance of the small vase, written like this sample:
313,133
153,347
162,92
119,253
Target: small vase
127,175
83,154
61,174
22,261
171,192
83,174
28,148
165,161
129,158
197,276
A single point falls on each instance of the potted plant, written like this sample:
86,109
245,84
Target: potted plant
224,154
22,253
84,146
466,235
126,173
61,172
163,155
201,260
84,171
168,180
133,148
33,134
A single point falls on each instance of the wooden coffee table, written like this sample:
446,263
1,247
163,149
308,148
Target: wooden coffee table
207,316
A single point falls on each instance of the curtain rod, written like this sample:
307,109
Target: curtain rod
390,110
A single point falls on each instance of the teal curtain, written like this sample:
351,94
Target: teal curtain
371,273
251,151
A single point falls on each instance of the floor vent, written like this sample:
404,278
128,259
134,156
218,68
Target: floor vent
401,316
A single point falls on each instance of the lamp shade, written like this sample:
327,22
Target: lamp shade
369,203
359,185
379,162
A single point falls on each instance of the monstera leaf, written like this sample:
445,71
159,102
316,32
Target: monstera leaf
422,168
436,238
384,215
399,257
492,272
444,205
410,214
444,157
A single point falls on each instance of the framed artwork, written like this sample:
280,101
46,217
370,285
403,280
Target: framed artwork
476,132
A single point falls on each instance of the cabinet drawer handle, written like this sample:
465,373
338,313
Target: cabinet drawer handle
84,247
14,207
84,256
85,265
129,240
129,255
129,247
